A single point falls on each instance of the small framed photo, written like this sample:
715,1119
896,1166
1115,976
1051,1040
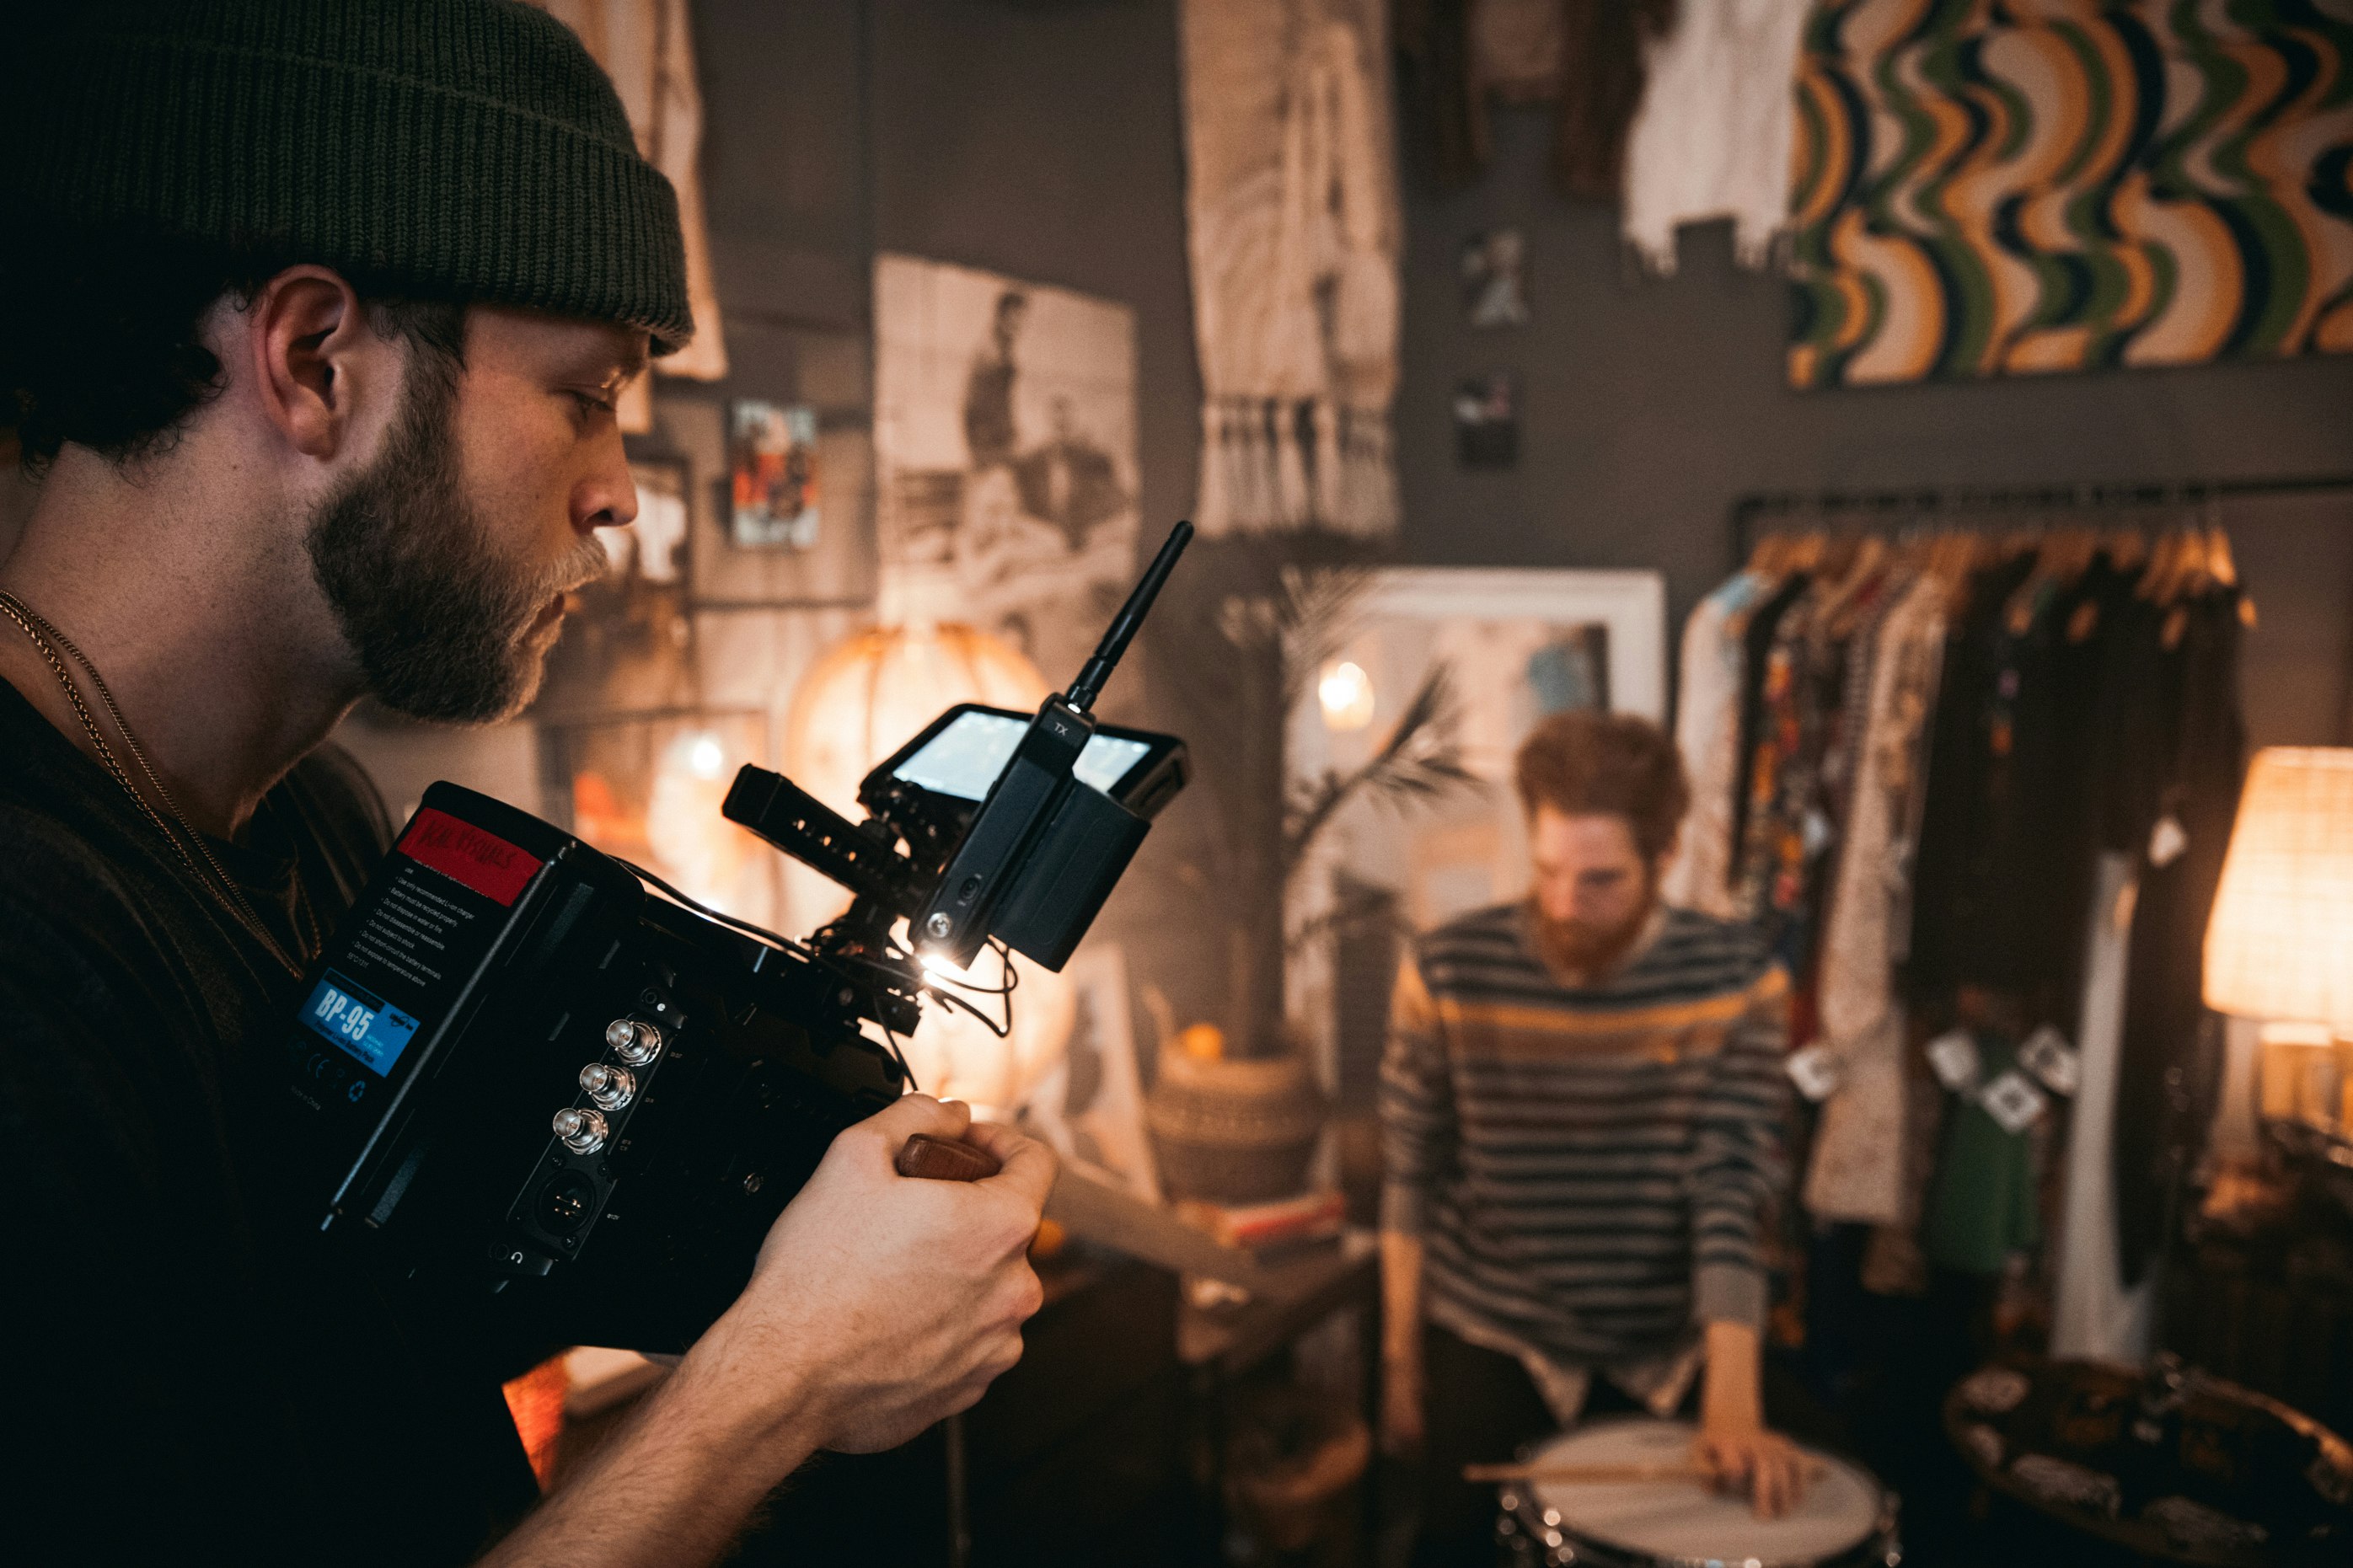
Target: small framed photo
1487,420
773,476
1495,279
651,549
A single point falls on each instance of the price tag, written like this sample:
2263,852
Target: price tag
2014,1102
2047,1055
1814,1070
1953,1055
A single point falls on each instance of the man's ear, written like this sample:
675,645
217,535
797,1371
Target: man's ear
314,357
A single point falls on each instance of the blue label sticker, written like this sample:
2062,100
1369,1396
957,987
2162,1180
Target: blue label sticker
365,1028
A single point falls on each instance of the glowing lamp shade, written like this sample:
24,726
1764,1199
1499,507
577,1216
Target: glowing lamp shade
2280,944
858,704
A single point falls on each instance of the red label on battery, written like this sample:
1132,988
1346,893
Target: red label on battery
482,861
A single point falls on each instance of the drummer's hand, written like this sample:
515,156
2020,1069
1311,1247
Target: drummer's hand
1763,1463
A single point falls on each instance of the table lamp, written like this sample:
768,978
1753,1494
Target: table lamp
2279,946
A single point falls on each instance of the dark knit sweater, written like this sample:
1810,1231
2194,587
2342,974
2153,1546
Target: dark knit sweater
1587,1167
194,1378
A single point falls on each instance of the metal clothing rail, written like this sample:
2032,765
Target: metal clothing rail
1906,507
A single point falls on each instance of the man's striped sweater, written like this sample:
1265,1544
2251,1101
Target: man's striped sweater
1587,1167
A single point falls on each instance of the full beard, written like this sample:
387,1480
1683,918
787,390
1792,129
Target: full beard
1588,950
442,625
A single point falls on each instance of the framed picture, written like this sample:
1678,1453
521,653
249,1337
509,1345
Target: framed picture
1005,454
651,549
1494,282
1487,420
626,646
772,464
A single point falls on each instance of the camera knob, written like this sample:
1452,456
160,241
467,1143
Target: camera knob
583,1132
609,1087
635,1043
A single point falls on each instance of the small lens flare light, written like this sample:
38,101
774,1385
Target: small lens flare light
1346,693
705,759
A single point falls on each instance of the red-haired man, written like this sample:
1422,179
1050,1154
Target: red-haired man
1581,1105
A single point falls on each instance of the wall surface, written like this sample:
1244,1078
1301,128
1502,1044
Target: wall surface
1037,140
1044,138
1648,404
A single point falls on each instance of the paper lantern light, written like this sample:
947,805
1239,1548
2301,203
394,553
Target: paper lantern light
859,703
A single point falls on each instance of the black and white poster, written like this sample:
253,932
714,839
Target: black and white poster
1005,450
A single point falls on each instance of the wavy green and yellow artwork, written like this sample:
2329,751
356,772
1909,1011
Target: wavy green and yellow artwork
2000,187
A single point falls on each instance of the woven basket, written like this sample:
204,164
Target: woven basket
1233,1132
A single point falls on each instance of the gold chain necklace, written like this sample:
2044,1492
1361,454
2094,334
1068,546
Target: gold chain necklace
48,639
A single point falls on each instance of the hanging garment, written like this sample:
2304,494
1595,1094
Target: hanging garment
1757,637
1714,134
1949,914
1859,1149
1292,225
1707,732
1985,1201
1604,46
1770,873
2035,840
2095,1313
648,49
1892,1262
2170,1056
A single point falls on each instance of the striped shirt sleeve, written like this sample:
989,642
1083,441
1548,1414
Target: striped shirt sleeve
1740,1161
1417,1105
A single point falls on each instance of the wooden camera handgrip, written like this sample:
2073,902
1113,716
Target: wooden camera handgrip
943,1160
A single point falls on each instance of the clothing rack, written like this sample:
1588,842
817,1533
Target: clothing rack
1868,509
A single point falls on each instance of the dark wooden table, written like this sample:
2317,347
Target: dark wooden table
1220,1347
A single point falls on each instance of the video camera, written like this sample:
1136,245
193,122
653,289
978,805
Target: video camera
518,1063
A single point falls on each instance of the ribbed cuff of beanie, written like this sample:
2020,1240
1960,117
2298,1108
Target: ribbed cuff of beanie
466,149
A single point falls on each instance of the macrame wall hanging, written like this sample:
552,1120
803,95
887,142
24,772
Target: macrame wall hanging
1293,226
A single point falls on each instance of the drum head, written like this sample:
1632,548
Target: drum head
1675,1519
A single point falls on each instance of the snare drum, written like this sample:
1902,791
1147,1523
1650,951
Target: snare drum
1846,1520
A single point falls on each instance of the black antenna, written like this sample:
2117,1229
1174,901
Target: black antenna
1090,683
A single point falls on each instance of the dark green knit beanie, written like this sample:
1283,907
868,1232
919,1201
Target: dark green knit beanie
466,149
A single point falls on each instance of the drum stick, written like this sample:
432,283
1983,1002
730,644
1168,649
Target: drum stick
1604,1474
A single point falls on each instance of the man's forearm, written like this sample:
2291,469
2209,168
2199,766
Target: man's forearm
1732,1395
673,1488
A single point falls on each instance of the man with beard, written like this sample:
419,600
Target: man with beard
315,315
1580,1109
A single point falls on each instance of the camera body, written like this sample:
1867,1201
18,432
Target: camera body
499,976
517,1063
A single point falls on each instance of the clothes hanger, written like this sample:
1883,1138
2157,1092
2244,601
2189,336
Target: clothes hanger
2156,577
1844,612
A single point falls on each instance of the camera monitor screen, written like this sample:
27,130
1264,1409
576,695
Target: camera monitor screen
966,756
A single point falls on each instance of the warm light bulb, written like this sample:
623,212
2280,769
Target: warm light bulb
1346,693
705,759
